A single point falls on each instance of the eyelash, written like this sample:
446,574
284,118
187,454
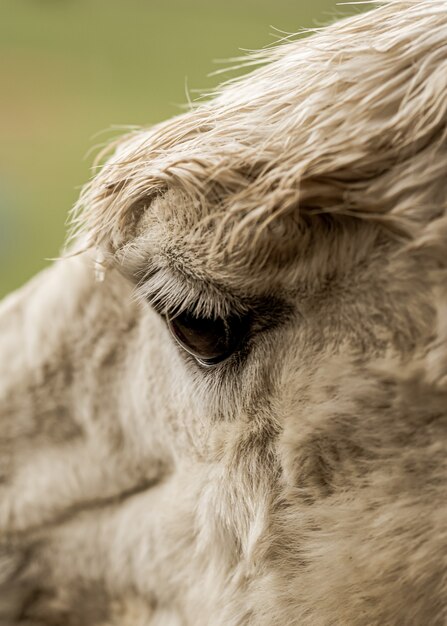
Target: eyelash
210,339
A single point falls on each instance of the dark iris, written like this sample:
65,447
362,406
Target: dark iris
209,340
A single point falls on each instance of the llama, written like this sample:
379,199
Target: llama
227,405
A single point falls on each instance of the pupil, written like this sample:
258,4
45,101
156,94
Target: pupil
210,340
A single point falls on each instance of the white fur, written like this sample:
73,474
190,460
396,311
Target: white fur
302,481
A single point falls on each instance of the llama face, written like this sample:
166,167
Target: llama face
243,422
285,199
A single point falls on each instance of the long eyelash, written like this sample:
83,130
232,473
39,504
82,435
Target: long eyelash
169,296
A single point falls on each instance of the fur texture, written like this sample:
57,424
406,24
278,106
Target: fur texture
302,481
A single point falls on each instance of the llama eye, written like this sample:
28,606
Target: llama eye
209,340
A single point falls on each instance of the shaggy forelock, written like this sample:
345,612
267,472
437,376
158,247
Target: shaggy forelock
349,122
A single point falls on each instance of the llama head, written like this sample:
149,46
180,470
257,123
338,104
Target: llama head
306,200
285,242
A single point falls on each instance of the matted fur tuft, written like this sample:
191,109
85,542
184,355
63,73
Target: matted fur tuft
350,121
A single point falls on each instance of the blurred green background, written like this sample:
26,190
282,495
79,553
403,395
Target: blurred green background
72,68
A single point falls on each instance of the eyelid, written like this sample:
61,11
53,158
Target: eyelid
171,295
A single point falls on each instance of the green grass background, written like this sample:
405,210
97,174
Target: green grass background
72,68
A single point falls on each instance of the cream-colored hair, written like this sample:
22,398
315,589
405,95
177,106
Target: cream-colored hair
350,121
302,480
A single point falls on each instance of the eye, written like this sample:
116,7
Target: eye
209,340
